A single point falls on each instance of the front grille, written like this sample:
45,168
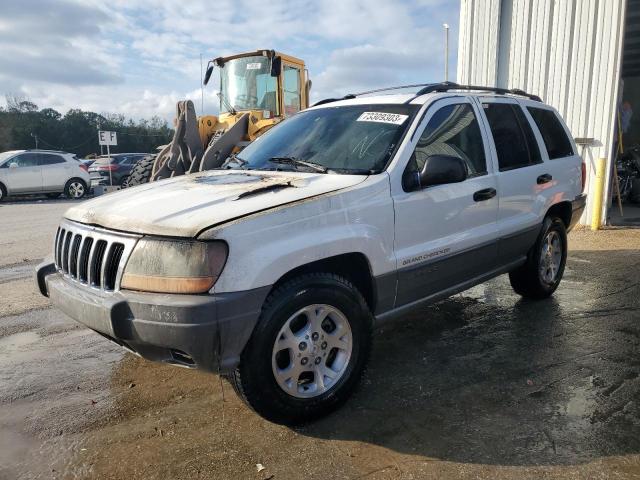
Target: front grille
92,256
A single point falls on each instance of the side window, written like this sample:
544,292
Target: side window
50,159
515,141
291,82
454,131
554,135
26,160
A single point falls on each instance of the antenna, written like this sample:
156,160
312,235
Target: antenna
446,51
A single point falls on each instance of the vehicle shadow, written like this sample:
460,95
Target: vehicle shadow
486,377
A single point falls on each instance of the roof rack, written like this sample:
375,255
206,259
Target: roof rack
446,86
436,88
377,90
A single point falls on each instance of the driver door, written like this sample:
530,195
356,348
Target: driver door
446,234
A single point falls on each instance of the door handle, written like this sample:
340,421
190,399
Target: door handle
545,178
485,194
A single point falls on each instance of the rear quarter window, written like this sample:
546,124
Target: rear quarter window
553,133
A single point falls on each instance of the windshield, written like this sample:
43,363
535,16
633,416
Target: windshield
246,84
6,155
349,139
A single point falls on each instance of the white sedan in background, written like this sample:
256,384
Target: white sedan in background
28,172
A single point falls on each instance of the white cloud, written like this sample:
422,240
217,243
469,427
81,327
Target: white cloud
139,57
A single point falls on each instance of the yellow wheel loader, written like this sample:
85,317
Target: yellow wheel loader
257,90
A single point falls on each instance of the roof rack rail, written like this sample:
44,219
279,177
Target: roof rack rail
377,90
446,86
436,88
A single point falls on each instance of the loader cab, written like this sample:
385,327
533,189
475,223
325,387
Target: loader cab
271,85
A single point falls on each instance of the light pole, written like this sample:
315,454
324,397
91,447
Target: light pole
35,135
446,51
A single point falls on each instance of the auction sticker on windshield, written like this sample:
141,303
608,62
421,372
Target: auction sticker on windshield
382,117
254,66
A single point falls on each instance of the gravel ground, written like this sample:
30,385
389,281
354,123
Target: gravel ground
482,385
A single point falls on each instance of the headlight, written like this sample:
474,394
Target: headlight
174,266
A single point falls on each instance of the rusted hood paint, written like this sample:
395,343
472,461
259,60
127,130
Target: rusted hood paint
184,206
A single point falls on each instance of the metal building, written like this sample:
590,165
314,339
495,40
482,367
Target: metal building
569,52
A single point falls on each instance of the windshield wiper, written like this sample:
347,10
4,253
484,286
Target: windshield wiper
294,161
230,107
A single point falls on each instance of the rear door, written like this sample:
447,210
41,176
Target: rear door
445,233
522,176
26,176
55,171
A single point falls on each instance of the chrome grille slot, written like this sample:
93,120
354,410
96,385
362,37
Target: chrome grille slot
65,252
92,255
96,263
73,257
83,261
111,264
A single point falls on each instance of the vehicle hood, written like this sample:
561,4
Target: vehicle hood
186,205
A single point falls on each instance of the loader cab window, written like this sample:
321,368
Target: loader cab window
246,84
291,84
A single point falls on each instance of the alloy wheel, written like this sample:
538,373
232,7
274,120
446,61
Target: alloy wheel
550,257
312,351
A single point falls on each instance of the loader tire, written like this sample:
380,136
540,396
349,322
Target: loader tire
141,172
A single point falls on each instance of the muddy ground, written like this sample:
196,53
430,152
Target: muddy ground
482,385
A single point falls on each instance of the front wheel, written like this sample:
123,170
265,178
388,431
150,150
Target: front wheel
541,274
308,351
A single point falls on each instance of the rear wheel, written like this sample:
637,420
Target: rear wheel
3,192
75,189
541,274
141,172
308,351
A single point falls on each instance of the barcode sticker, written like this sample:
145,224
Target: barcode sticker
254,66
382,117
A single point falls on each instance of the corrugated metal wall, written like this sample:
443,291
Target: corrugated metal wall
566,51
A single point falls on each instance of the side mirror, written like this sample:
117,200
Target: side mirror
13,165
276,66
437,170
207,75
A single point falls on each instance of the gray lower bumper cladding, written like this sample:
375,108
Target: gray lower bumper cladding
207,332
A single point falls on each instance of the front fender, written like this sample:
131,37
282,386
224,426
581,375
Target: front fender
264,247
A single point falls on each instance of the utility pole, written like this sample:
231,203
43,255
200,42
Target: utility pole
35,135
201,88
446,51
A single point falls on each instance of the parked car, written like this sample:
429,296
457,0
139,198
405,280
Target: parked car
274,270
50,172
118,165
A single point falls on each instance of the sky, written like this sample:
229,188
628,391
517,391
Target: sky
139,57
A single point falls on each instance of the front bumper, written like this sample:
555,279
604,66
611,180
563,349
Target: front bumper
207,332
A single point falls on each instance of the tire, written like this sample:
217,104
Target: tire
3,192
75,189
541,274
53,196
141,172
305,396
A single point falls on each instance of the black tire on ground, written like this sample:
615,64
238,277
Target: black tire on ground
141,172
3,192
534,279
255,381
75,189
53,196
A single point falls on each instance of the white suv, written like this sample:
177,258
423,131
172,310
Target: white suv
274,269
26,172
